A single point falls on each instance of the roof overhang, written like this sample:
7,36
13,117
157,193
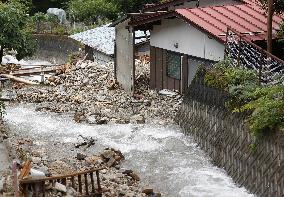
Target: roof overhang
144,19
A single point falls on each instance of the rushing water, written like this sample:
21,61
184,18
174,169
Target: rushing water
165,158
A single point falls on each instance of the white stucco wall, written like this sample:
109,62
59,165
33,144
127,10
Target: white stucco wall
190,40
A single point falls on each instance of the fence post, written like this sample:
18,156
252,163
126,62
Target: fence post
15,175
239,54
226,45
260,74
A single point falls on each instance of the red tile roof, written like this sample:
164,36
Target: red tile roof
248,19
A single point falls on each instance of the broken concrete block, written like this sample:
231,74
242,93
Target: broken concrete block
59,187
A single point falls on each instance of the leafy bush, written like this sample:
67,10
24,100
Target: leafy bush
13,17
263,104
225,76
267,109
90,11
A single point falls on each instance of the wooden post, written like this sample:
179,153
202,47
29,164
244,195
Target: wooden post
92,182
98,181
16,182
80,183
73,183
86,184
226,45
269,25
41,74
239,54
259,74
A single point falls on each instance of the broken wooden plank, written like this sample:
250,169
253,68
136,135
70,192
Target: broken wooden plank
37,70
29,180
26,170
18,79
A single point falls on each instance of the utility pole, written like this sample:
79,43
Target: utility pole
269,25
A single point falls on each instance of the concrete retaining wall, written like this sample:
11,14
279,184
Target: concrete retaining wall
55,49
225,137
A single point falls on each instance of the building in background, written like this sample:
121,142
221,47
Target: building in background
183,36
100,43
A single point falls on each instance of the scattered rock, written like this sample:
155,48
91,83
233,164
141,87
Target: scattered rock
107,154
137,119
81,156
103,120
60,168
59,187
111,162
79,117
88,88
1,184
36,174
148,190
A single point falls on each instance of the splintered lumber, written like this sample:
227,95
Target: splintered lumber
26,169
18,79
36,70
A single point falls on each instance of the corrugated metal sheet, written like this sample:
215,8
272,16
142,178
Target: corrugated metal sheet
248,19
102,38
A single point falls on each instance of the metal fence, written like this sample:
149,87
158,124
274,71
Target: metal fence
246,54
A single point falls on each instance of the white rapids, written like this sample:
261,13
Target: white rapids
165,158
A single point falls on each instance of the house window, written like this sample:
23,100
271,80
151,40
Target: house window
173,65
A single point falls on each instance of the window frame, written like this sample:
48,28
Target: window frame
173,76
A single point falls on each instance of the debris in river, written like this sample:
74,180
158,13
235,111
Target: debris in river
18,79
88,142
90,92
113,180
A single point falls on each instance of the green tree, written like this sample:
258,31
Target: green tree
42,6
90,11
271,7
27,4
13,33
126,6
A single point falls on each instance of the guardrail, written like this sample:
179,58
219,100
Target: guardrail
245,53
82,182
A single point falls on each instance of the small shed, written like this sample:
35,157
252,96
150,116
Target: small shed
100,43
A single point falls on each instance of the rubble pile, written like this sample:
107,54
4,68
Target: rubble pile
90,92
3,132
114,180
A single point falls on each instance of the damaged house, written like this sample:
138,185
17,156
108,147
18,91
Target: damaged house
100,43
183,35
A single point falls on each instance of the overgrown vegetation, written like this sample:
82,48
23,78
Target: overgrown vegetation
264,104
14,34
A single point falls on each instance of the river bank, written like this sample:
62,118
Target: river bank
164,158
83,101
87,92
